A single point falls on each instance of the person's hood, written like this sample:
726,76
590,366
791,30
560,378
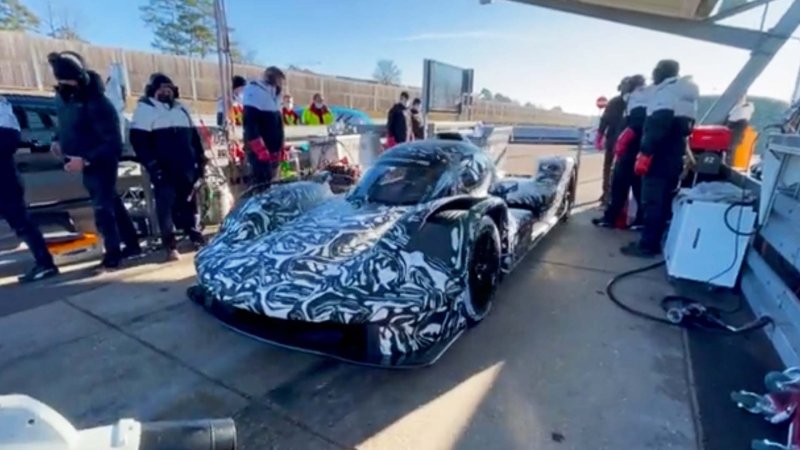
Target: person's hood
679,94
96,85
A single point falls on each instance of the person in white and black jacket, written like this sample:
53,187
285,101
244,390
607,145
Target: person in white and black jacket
168,144
263,126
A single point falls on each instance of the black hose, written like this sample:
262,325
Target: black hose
710,321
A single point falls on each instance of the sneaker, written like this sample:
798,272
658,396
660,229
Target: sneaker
111,262
636,250
602,223
38,273
131,251
636,227
198,241
172,255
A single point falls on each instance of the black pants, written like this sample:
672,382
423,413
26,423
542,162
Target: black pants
14,210
261,173
176,205
657,194
623,181
110,216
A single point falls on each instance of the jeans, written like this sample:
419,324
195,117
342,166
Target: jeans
176,205
111,218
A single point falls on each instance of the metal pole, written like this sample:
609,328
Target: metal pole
223,57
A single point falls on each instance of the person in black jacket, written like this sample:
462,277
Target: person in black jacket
417,122
169,146
12,199
611,124
671,114
90,139
397,121
623,179
263,126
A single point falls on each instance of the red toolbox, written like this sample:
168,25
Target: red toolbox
710,138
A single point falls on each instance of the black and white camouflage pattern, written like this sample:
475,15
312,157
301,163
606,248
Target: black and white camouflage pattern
300,252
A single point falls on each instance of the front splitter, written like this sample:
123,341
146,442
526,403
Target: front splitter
354,344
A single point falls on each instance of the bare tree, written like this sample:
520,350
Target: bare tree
387,72
14,16
61,23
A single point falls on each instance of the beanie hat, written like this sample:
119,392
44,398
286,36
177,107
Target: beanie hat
156,80
238,81
67,66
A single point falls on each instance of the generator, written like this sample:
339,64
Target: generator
709,145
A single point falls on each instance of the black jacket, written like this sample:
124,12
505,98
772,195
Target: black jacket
671,114
417,127
613,120
166,141
88,124
262,115
397,123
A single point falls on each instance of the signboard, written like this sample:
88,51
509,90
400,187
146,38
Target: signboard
602,102
445,86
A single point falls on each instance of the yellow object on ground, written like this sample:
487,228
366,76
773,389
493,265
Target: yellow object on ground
744,152
80,249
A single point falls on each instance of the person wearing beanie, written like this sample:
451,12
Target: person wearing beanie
90,141
169,146
263,126
12,199
290,116
671,114
237,86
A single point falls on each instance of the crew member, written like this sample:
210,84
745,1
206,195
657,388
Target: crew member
397,122
628,143
169,146
290,117
611,124
237,84
90,140
318,113
263,125
12,199
671,115
417,122
738,121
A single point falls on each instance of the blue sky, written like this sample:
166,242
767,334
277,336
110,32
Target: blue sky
527,53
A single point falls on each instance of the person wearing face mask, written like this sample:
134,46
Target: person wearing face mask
170,148
12,199
263,125
90,141
671,114
290,117
318,113
417,123
397,122
237,83
611,124
623,179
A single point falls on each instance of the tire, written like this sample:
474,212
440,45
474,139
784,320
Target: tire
483,271
569,200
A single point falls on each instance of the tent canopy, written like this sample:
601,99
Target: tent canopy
686,9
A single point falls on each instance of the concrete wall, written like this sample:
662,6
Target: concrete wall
23,67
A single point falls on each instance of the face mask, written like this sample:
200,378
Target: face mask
67,91
290,106
318,105
165,98
404,103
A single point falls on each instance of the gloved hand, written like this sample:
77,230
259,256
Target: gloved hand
623,141
259,149
642,164
598,141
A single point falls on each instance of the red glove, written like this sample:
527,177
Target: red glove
623,141
598,141
642,164
259,149
390,142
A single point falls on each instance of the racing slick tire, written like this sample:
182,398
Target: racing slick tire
565,210
484,270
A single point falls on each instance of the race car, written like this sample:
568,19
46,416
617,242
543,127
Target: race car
391,272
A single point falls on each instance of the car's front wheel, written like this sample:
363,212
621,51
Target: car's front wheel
483,267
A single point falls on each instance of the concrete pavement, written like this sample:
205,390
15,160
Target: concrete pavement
555,366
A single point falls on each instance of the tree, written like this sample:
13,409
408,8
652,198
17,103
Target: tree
387,72
485,94
181,27
14,16
61,24
498,97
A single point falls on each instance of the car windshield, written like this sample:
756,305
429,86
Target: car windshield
400,182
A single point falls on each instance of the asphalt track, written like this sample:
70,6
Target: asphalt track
555,366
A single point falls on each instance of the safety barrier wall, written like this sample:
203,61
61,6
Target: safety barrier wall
771,275
23,67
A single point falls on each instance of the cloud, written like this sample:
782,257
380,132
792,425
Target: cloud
459,35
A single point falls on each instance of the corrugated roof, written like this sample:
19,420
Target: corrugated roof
687,9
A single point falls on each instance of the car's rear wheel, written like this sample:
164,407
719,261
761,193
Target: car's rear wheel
483,267
565,210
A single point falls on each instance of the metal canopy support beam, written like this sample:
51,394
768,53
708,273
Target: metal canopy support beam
697,29
736,10
761,56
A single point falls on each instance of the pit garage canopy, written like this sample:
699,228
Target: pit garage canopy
686,9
